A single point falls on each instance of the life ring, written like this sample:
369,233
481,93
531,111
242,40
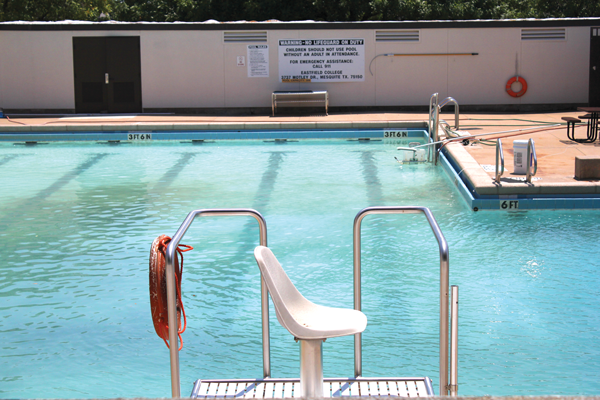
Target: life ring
158,287
513,80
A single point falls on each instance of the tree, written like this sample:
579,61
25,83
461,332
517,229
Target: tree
54,10
286,10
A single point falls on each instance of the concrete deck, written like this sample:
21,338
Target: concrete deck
556,154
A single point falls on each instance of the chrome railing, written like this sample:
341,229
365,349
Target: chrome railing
499,160
444,290
171,290
531,155
434,121
448,100
433,116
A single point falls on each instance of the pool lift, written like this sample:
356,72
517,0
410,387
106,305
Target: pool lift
324,322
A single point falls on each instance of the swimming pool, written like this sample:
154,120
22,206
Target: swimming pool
77,221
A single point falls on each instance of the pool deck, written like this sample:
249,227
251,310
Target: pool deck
555,153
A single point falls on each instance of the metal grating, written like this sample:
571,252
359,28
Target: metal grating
543,34
397,36
245,36
332,387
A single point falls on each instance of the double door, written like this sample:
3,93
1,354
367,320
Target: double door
107,74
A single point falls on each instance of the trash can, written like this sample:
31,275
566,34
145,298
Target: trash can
520,156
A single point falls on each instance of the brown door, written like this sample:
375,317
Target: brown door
595,67
107,74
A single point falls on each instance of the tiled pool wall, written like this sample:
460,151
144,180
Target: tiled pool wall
514,202
140,136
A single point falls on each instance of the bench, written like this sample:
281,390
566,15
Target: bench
304,98
587,167
571,121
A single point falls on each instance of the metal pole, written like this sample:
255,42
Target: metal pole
171,290
311,369
444,283
531,153
433,102
499,160
454,342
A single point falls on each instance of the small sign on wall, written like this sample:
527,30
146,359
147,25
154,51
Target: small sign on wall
258,61
241,61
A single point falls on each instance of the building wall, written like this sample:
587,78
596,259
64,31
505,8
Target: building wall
190,69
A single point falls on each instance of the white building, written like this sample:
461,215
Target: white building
69,66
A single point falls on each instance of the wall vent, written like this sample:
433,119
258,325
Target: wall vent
544,34
245,36
397,36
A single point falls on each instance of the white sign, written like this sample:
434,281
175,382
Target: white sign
139,137
388,133
241,61
258,61
321,60
509,204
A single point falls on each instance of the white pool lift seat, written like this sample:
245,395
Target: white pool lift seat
306,321
301,317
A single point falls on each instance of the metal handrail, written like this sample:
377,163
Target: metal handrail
171,290
499,160
531,153
456,111
434,120
433,116
444,285
433,102
433,123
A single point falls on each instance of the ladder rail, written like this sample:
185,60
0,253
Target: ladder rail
171,290
452,100
435,107
433,123
531,156
499,160
444,285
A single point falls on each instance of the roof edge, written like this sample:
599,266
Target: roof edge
212,25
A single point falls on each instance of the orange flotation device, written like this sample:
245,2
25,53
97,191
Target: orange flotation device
513,80
158,287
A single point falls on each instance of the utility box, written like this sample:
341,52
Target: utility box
587,167
520,156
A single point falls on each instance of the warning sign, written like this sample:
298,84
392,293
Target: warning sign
321,60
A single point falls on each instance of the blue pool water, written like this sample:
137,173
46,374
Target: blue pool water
77,221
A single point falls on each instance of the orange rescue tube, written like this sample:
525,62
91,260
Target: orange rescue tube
158,287
513,80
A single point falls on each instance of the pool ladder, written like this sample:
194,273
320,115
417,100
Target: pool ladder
434,120
531,169
357,386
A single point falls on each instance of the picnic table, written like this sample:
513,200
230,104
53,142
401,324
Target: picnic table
592,128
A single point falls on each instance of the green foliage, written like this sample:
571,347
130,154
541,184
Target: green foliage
292,10
53,10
